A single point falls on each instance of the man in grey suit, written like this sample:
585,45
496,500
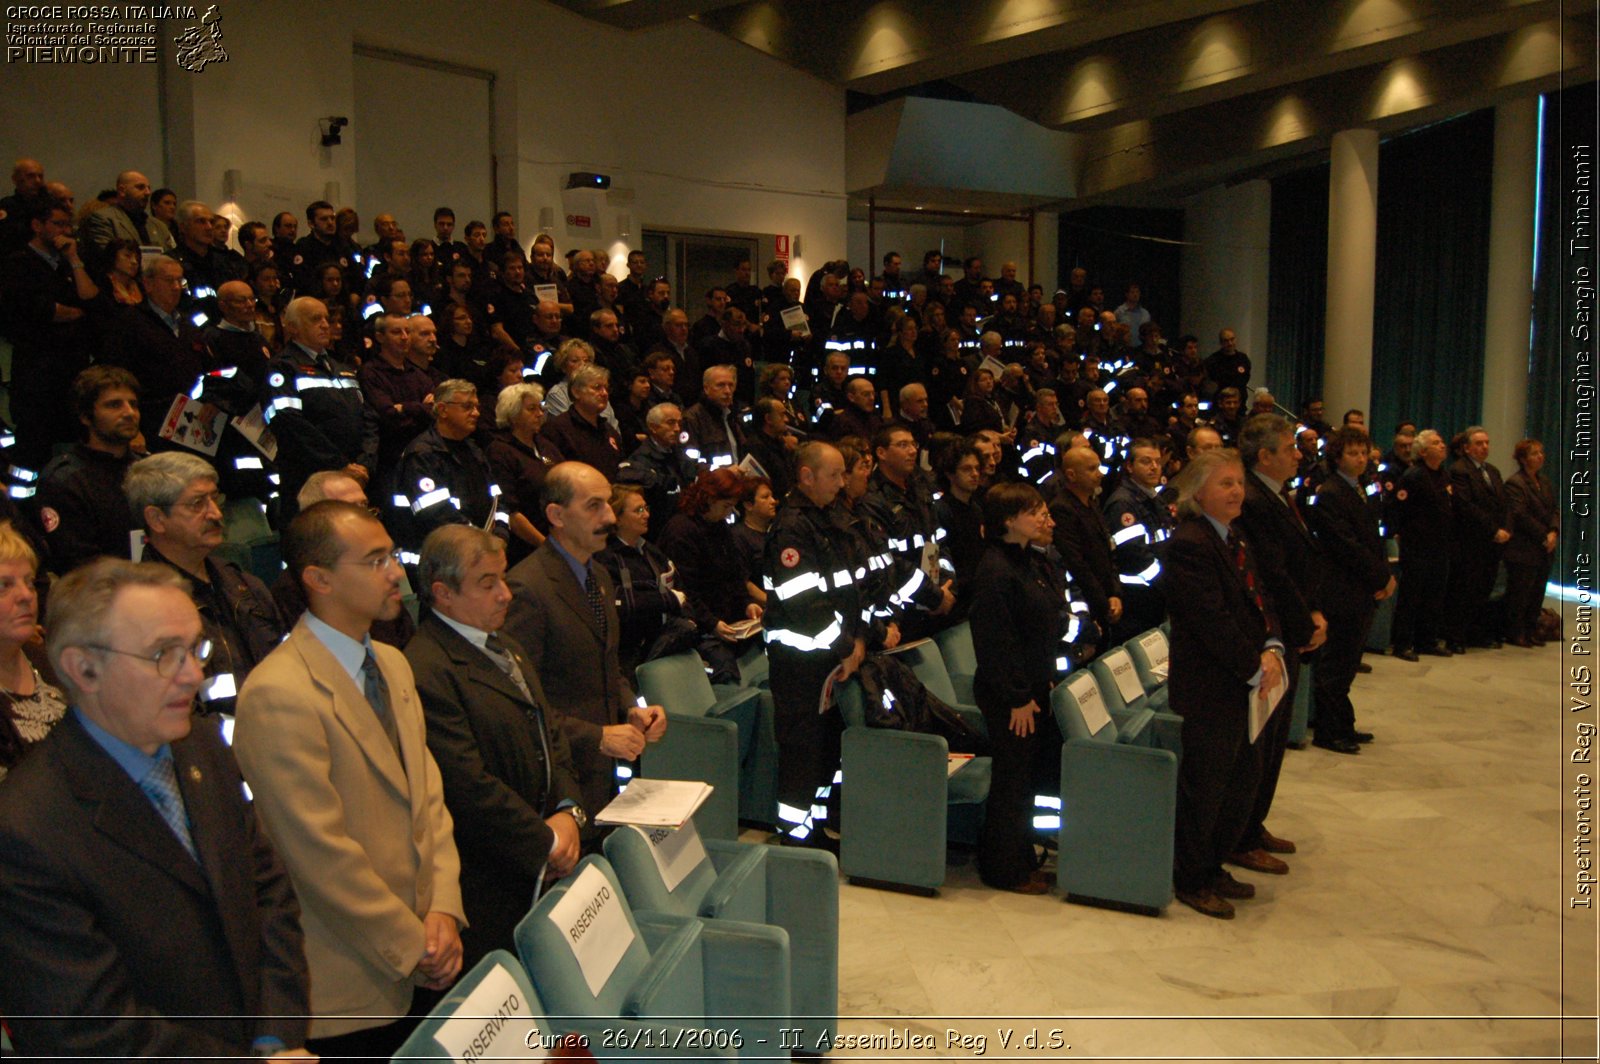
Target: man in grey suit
563,609
508,778
125,218
145,911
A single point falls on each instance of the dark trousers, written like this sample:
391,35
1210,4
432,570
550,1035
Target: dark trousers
1143,608
808,742
1005,848
1419,615
375,1045
1273,742
1472,573
1336,671
1216,793
1524,597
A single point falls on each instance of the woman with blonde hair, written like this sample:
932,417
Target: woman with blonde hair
29,707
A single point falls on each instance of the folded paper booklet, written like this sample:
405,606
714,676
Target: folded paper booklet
1261,710
795,318
184,426
652,803
745,629
956,764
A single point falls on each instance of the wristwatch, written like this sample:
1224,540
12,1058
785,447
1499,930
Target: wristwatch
578,815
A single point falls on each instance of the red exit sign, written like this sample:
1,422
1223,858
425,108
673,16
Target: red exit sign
579,221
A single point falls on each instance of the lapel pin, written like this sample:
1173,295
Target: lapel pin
194,773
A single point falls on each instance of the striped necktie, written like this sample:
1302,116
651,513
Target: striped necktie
160,785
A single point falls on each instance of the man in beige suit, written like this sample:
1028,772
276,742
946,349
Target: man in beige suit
331,739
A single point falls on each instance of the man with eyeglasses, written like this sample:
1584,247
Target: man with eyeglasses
444,478
332,742
174,494
138,886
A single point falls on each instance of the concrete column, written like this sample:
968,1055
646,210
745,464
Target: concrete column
1508,307
1352,269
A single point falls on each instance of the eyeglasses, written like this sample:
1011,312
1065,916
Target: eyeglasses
198,505
378,564
168,660
470,404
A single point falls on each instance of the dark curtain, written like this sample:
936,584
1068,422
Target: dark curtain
1432,275
1557,413
1297,285
1115,245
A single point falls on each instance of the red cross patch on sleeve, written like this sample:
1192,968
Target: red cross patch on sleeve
790,557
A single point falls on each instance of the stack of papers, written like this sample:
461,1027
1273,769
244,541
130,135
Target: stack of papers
652,803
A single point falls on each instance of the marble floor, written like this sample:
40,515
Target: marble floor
1422,918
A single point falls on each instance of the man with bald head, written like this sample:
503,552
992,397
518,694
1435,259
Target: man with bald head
544,340
126,218
31,192
314,404
386,229
1081,535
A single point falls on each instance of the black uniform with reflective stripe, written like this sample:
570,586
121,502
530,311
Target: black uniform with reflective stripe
318,417
443,482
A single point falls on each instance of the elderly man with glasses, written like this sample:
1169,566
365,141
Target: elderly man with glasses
444,478
174,494
138,886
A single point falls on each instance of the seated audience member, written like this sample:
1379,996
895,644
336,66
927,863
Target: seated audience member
81,506
286,590
332,741
519,460
631,406
700,542
399,394
161,347
777,382
913,414
772,444
183,934
663,378
443,477
582,433
663,465
563,611
647,595
716,424
32,706
175,495
859,415
505,768
758,508
1225,651
827,396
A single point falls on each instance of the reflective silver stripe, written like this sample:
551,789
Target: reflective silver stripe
227,374
918,542
410,558
692,453
718,461
1163,534
432,498
1143,578
247,461
8,440
1038,450
17,491
219,686
274,478
791,814
199,386
841,578
23,474
1047,822
898,544
1134,531
1063,664
494,491
909,588
502,516
1073,624
280,404
372,311
401,500
799,641
796,584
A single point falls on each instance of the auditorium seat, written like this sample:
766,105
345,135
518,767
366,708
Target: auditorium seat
1152,655
901,803
702,748
1118,804
926,660
960,659
1124,696
796,889
249,541
590,955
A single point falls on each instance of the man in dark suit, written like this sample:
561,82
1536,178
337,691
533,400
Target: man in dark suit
1482,527
563,609
137,887
1081,536
1291,575
508,777
1356,579
163,349
1226,651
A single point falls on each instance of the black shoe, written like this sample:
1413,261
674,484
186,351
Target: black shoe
1456,648
1364,667
1338,746
1437,651
1405,655
817,840
1361,736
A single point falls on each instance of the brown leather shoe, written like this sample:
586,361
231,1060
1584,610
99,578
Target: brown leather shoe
1272,844
1260,861
1225,886
1036,883
1206,902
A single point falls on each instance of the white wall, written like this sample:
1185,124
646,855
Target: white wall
85,124
910,239
995,241
653,109
1224,267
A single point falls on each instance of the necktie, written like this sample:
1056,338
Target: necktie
1248,573
376,688
160,785
597,604
1288,500
501,655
